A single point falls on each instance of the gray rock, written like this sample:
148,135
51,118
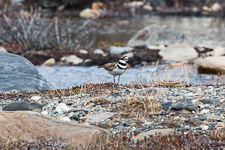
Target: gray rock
183,104
167,105
19,74
23,105
159,35
153,132
178,52
206,100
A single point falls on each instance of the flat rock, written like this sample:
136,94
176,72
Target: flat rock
218,51
183,104
23,105
99,117
153,132
19,74
179,52
49,62
212,65
30,126
73,60
158,35
206,100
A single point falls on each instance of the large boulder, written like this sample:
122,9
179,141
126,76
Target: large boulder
179,52
30,126
19,74
212,65
159,35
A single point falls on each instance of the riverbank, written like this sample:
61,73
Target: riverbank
138,111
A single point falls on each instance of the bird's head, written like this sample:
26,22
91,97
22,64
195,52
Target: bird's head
124,58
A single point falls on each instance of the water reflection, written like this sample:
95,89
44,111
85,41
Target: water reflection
207,31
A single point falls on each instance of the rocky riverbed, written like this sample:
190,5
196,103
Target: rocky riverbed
137,110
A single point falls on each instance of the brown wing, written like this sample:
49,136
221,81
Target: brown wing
109,66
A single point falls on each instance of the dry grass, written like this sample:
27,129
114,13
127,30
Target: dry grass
26,31
141,106
169,79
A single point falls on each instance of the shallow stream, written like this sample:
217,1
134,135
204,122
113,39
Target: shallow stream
208,32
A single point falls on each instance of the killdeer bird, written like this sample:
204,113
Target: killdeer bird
116,68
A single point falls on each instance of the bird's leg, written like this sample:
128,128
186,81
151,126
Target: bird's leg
114,79
119,79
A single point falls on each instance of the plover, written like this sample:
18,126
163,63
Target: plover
116,68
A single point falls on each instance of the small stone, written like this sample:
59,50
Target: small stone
74,60
35,98
82,51
204,127
99,51
61,108
210,101
65,119
49,62
204,111
133,129
2,49
45,112
115,124
187,127
74,117
190,94
92,123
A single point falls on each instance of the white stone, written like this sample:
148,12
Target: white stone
218,51
187,127
45,112
205,8
204,111
87,13
118,50
204,127
179,52
190,94
61,108
133,129
148,7
216,7
74,60
2,49
82,51
65,119
176,118
99,51
49,62
35,98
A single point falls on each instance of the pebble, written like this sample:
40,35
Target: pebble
61,108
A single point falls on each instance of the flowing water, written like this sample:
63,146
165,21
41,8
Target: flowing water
208,32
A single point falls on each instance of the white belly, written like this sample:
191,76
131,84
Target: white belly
117,71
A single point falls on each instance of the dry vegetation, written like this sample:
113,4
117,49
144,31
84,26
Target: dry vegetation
169,79
30,31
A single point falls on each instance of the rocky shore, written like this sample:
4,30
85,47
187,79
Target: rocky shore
137,110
